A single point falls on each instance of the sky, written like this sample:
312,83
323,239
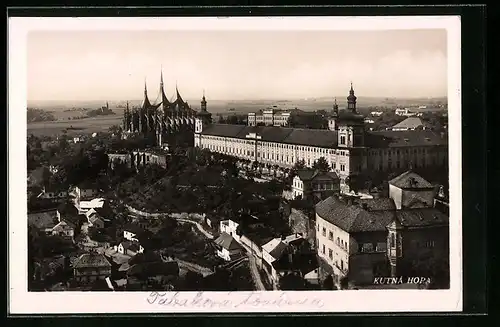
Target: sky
236,65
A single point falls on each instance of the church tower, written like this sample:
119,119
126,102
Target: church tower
351,139
203,119
351,100
333,120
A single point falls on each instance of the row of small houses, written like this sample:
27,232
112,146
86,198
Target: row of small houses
276,256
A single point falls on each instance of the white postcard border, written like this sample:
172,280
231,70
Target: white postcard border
23,302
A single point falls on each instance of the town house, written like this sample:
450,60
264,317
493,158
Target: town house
91,266
314,183
359,239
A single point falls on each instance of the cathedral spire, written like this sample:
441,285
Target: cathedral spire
164,99
161,77
146,104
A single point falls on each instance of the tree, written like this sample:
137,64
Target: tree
321,164
300,164
291,282
328,283
344,283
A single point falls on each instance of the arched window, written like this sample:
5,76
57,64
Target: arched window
393,240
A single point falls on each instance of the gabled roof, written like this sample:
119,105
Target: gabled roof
93,260
134,228
409,123
42,219
303,262
397,139
94,203
378,204
353,218
310,174
421,217
129,245
63,225
275,248
299,136
410,180
227,242
67,208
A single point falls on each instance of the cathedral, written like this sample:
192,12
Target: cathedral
164,121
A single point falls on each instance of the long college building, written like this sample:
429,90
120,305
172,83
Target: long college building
347,147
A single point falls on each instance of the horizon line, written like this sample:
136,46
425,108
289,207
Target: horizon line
339,98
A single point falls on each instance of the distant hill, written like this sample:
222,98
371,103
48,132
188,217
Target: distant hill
249,105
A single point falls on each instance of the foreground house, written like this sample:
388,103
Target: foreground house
91,266
279,256
53,194
314,183
360,239
43,221
227,247
410,190
130,248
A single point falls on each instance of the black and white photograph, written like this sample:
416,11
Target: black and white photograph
175,160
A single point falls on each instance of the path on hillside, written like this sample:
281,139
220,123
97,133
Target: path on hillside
182,220
254,270
198,225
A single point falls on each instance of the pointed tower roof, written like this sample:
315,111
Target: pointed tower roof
145,102
351,96
164,99
179,98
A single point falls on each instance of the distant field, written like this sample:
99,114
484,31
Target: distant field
83,126
102,123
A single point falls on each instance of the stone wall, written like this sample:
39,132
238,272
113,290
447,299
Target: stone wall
156,215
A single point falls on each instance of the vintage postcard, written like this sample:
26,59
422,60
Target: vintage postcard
265,164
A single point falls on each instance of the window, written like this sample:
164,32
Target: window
342,140
323,249
330,235
393,240
330,254
367,247
338,241
324,231
342,167
318,227
342,264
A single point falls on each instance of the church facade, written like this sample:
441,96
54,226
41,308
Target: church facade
346,145
165,120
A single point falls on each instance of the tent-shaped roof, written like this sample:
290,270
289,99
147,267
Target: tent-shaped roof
227,242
